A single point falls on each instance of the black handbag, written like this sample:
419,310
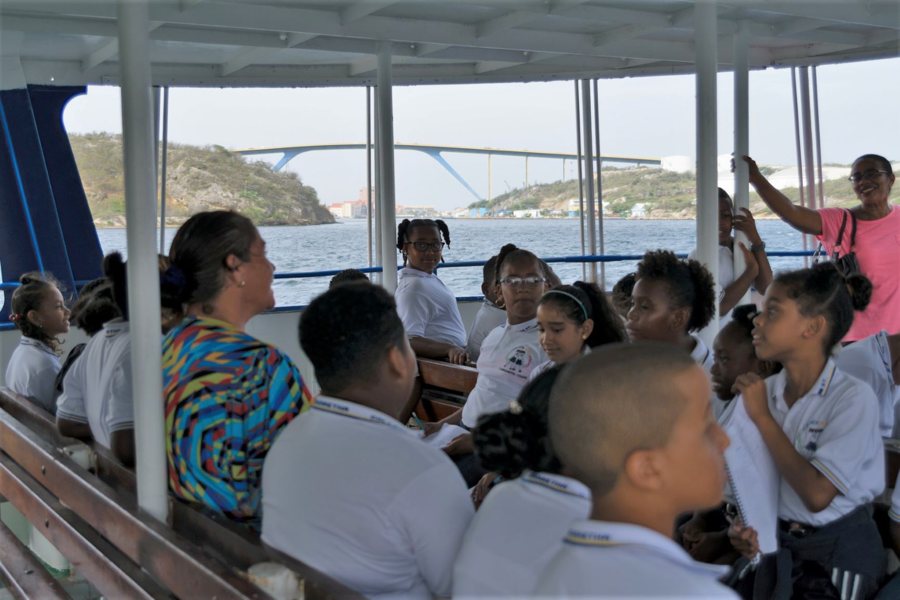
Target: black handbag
847,263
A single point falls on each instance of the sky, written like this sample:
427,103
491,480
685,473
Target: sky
648,116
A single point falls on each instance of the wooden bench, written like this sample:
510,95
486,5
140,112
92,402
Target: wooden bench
93,519
441,389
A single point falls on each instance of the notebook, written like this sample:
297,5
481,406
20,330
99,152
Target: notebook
446,434
755,481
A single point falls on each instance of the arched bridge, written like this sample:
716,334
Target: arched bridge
289,153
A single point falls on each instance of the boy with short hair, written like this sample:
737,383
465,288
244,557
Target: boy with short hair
649,449
347,488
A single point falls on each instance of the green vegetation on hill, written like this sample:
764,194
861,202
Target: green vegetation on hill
199,178
663,194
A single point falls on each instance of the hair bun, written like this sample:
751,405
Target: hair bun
504,442
28,278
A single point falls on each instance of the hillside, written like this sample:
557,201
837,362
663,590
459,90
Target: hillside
662,194
199,178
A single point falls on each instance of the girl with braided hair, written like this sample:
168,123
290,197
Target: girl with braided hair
426,306
40,313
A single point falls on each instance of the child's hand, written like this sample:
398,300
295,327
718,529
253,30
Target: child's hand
430,428
743,221
460,445
744,539
481,489
753,389
752,265
457,355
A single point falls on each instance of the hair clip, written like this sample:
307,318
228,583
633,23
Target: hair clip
515,408
14,317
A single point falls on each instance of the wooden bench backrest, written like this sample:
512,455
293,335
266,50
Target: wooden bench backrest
124,552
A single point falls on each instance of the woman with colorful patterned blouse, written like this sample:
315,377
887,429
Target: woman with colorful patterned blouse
227,394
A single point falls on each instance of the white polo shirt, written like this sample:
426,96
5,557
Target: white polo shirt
97,387
835,427
355,494
32,370
427,308
703,355
508,354
894,513
869,359
618,560
516,532
489,317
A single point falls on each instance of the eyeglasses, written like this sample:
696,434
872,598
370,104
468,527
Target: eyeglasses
870,174
426,246
522,281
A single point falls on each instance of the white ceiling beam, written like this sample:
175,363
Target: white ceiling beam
363,8
622,33
425,49
295,39
853,13
621,16
503,22
243,58
108,50
362,66
789,27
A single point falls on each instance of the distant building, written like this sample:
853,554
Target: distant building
531,213
416,212
353,209
639,211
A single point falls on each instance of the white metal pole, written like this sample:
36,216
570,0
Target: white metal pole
589,174
706,46
600,243
741,139
808,156
817,129
797,148
163,171
379,278
369,207
386,168
143,290
580,176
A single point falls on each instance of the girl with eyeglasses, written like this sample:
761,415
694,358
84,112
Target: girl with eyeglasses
508,354
426,306
876,243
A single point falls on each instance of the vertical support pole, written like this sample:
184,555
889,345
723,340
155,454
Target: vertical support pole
817,129
163,171
580,177
369,172
741,138
143,290
805,237
377,187
705,28
385,150
589,174
808,157
601,244
526,172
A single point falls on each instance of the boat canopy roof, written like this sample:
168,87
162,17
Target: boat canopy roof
335,42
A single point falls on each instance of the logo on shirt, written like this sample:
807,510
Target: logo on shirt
809,437
518,362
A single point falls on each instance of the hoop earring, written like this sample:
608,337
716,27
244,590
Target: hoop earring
242,283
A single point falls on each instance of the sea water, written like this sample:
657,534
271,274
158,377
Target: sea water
343,245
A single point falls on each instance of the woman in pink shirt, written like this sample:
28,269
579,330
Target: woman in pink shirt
877,244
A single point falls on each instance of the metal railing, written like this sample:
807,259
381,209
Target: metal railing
603,258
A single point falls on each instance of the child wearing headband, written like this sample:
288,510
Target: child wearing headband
572,319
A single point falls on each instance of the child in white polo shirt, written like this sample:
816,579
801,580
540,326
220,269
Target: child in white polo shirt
671,299
649,449
870,360
426,306
821,427
347,488
500,557
489,315
40,313
508,354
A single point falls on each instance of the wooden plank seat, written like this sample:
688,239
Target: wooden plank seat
93,519
442,388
